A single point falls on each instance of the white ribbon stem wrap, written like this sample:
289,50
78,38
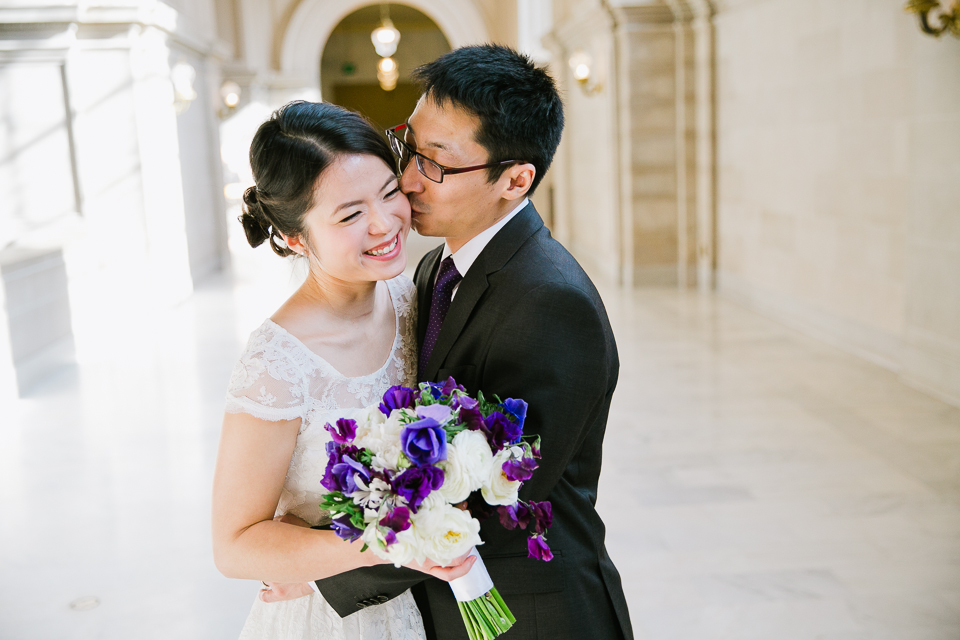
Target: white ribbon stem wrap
473,585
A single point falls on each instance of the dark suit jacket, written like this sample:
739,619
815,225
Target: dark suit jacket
526,323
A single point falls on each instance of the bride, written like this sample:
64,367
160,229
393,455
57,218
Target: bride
325,190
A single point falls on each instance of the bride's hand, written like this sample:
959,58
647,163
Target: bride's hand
456,569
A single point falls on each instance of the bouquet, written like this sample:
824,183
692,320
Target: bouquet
395,474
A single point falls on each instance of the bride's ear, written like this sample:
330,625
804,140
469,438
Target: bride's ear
296,244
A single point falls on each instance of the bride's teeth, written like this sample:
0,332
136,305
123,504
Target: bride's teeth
380,252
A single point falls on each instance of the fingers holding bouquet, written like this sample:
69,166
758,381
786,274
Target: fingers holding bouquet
456,569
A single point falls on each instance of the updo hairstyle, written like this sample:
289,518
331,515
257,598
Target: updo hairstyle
289,153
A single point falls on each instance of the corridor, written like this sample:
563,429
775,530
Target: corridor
757,484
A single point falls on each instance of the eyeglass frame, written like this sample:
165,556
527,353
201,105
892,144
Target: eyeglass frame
419,157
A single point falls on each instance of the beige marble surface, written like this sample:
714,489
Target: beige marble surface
757,484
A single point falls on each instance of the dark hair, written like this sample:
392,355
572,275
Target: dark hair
288,154
520,111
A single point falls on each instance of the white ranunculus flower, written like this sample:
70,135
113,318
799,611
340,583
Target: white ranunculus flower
446,533
456,481
498,489
382,437
432,501
475,457
401,552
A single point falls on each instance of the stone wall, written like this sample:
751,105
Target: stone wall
839,178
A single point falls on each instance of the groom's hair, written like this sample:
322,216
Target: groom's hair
517,102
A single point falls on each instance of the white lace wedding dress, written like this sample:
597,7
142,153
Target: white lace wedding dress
278,378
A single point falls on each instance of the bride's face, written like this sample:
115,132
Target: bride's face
359,223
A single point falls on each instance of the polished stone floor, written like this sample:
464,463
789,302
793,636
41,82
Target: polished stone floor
757,484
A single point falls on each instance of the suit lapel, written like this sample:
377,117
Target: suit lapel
493,257
426,271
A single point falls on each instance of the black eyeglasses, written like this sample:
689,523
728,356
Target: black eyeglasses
430,169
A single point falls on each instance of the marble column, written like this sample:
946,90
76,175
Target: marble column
647,118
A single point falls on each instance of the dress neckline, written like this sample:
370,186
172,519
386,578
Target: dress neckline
323,361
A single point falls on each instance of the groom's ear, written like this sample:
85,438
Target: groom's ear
519,179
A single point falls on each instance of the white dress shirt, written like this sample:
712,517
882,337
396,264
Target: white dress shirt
466,255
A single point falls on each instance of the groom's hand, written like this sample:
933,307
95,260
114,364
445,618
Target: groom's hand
276,592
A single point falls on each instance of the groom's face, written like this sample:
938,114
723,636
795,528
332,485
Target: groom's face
464,204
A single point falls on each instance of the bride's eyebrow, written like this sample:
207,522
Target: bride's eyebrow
347,205
356,203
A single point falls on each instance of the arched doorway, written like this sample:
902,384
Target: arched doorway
348,68
312,22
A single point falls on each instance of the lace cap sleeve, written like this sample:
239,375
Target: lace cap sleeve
405,295
268,382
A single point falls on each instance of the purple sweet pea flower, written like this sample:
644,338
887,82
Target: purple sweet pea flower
416,483
345,529
470,415
424,441
397,520
535,448
464,402
344,432
346,473
449,385
537,549
397,397
501,430
438,412
520,470
389,537
514,516
517,409
542,514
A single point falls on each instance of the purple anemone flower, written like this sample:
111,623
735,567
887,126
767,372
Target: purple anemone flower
347,471
502,430
416,483
336,452
424,441
517,409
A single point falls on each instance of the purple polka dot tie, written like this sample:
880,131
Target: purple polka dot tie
447,279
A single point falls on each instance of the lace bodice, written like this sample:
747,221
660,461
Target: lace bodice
278,378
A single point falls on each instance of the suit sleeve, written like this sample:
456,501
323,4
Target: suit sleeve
552,350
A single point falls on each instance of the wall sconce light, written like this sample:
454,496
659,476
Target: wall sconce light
948,20
385,38
230,93
388,73
582,65
183,75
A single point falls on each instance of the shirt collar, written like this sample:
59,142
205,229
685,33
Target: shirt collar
466,255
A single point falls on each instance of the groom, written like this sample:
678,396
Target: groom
506,310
